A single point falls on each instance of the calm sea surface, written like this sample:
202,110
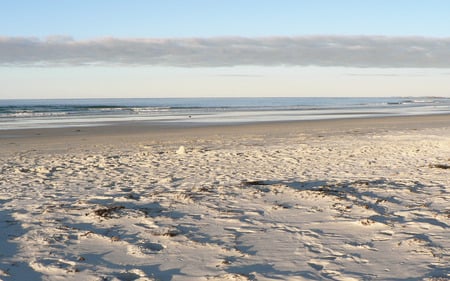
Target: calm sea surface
16,114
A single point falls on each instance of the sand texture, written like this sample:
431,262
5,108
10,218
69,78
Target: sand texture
353,204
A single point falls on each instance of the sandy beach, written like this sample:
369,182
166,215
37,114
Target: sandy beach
350,199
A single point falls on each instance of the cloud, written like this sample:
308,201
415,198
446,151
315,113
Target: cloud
347,51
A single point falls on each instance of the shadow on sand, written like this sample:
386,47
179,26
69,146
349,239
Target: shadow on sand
10,267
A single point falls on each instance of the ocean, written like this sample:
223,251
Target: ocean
40,113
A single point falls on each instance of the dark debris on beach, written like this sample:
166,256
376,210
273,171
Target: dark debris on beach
440,166
107,212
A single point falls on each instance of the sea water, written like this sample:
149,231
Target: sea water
41,113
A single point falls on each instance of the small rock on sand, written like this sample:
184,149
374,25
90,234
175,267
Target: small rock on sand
181,150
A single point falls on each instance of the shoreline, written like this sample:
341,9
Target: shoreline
144,127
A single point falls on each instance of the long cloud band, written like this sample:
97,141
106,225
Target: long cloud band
347,51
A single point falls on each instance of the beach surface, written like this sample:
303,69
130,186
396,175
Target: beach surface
350,199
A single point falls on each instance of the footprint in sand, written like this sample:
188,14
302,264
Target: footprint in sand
132,275
317,264
53,266
143,249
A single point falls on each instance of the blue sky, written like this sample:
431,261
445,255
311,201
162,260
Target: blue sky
207,18
67,49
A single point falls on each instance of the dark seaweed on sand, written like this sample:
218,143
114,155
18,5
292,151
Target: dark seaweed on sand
107,212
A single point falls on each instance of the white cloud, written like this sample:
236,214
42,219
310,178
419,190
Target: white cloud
346,51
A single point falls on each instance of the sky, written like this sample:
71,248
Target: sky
223,48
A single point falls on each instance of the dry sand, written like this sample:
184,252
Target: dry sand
357,199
